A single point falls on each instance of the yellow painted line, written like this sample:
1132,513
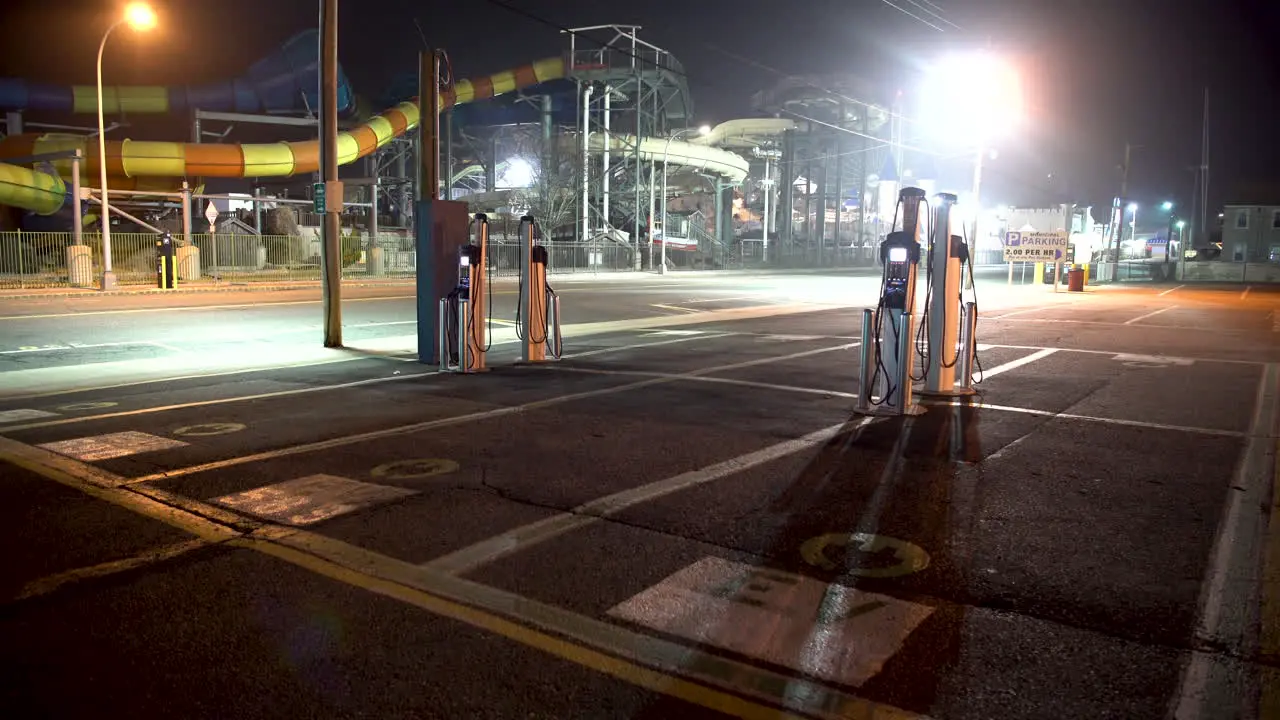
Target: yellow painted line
616,667
50,583
720,684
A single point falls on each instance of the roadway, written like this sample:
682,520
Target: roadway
682,517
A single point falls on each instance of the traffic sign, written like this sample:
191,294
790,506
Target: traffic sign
211,213
1036,246
317,197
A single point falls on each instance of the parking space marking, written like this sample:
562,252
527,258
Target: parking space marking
588,513
186,308
1175,358
1151,314
1230,597
468,417
12,416
94,346
674,308
1014,364
51,583
311,499
221,401
1245,294
1166,292
827,631
684,336
111,445
676,670
714,380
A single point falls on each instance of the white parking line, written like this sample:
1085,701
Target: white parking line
589,513
1151,314
50,583
1012,364
185,308
468,417
93,346
1245,294
1229,597
1166,292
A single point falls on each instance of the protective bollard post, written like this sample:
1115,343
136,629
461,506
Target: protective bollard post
867,370
904,347
968,345
442,335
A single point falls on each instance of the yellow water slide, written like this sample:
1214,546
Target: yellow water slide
131,161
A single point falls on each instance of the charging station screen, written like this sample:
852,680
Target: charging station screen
897,254
464,260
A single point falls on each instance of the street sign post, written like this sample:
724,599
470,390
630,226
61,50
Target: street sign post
211,214
317,197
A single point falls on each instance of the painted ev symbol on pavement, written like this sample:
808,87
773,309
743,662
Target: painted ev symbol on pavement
207,429
880,556
412,469
87,406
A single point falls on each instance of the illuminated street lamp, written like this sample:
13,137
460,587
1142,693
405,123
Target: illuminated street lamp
140,17
971,99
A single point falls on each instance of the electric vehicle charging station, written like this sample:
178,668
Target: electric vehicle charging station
886,371
464,336
538,309
949,352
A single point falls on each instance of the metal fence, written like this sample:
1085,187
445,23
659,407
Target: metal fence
44,260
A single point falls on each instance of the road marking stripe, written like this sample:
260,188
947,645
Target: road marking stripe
50,583
589,513
183,308
319,388
1245,294
1166,292
219,401
1017,312
714,380
674,308
655,664
637,346
1229,602
1014,364
1172,358
1151,314
457,419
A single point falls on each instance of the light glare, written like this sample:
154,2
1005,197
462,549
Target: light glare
972,98
140,16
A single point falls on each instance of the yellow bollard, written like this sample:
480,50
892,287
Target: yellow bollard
1038,278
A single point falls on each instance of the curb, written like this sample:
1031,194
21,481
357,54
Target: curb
189,290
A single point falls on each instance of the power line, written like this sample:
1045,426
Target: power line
908,13
928,9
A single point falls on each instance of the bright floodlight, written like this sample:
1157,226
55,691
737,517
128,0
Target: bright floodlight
519,173
1166,205
1133,207
1181,224
140,16
972,98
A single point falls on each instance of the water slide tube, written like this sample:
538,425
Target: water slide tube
286,81
36,191
744,133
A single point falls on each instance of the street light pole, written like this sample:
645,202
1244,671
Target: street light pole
140,17
665,151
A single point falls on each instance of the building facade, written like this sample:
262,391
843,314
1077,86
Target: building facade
1251,233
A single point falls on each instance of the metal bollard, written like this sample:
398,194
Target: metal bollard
442,335
867,355
904,355
464,335
968,344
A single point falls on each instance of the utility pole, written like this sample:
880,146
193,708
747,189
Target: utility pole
331,230
1117,229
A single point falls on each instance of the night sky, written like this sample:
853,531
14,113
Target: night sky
1098,72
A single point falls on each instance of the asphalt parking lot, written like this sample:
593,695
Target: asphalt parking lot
668,521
